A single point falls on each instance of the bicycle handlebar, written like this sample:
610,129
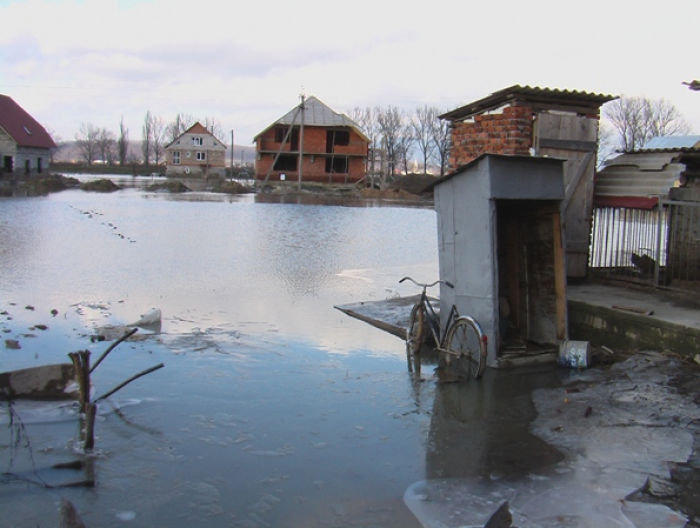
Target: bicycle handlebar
427,285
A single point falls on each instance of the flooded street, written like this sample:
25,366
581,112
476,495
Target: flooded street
274,408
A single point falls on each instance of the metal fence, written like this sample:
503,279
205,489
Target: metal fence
656,247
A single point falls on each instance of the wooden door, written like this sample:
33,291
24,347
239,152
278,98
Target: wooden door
574,138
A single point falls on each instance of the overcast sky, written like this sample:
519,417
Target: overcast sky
245,63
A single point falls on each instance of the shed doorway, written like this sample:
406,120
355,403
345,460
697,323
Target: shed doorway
531,280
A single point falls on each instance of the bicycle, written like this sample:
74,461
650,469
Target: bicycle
463,338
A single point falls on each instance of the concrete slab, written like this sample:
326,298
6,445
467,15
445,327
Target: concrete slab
617,316
390,315
626,317
54,382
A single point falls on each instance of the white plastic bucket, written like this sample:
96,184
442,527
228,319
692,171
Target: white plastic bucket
575,354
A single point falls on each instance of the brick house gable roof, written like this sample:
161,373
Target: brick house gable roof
316,114
197,128
23,128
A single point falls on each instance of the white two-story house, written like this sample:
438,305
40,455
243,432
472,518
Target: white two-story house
196,153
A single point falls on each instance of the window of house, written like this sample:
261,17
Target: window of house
201,156
197,141
337,164
176,157
341,138
286,162
281,133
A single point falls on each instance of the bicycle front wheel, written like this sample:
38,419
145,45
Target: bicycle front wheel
466,343
415,336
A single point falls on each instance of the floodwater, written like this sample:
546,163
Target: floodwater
273,408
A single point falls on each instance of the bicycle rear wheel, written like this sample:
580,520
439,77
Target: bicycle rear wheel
466,342
415,336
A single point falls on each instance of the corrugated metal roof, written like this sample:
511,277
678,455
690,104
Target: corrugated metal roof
532,94
672,142
639,174
22,127
316,113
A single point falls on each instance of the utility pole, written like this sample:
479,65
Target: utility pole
232,154
301,138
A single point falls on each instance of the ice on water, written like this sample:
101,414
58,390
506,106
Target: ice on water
633,431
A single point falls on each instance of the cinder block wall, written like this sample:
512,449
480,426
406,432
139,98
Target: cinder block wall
508,132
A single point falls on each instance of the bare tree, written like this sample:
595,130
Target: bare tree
58,140
390,121
213,125
638,119
423,123
123,143
178,126
158,133
86,141
606,144
406,143
441,134
366,119
106,146
147,137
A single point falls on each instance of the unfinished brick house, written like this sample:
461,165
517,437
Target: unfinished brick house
333,147
524,120
196,153
25,146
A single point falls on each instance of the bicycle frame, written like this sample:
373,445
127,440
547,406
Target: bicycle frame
462,338
431,314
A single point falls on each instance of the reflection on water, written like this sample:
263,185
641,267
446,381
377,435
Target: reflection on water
273,409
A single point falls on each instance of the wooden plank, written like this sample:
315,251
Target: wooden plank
513,260
568,144
559,278
572,185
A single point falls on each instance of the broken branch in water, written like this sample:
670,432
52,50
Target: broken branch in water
81,363
132,378
113,346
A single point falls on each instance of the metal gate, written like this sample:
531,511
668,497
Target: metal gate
659,247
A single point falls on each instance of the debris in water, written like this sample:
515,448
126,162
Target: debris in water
69,516
126,516
151,318
502,518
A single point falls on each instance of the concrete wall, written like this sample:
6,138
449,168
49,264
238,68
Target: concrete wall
626,331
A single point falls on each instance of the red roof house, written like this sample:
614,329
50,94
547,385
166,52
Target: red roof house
25,145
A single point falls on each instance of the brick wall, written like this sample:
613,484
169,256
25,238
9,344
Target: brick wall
509,132
315,155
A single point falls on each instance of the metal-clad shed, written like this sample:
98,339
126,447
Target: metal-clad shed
545,122
500,245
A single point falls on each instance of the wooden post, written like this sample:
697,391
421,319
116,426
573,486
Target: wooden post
559,277
81,362
90,412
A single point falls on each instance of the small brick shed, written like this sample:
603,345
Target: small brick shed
524,120
500,245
